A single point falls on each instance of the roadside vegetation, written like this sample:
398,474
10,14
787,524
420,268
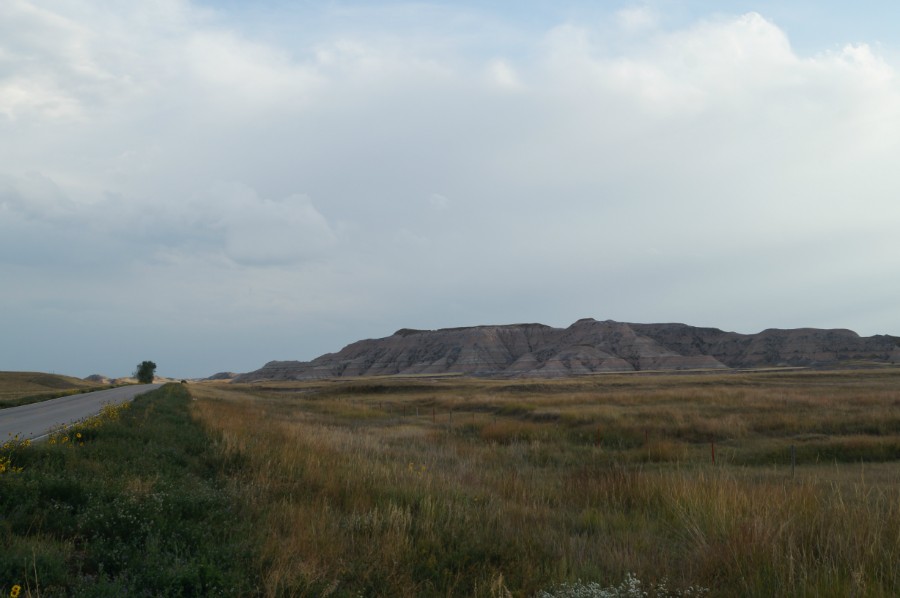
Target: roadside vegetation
582,487
23,388
131,502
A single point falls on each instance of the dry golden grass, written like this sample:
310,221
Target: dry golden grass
18,385
478,487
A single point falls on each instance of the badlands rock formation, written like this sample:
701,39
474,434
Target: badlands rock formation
585,347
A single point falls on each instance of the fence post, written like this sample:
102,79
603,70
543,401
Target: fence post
793,460
712,446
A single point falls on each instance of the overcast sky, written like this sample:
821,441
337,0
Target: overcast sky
216,184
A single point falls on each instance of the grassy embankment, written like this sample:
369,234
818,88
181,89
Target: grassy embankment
129,503
22,388
478,488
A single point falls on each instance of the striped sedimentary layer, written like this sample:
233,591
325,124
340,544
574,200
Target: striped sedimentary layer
585,347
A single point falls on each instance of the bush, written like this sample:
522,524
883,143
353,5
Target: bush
144,372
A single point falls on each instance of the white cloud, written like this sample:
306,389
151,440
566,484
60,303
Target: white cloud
64,61
637,18
502,74
249,75
265,232
34,196
438,201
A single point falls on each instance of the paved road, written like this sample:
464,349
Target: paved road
35,420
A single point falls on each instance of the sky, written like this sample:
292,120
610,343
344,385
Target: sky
215,184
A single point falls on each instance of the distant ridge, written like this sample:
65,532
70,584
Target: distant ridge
222,376
587,346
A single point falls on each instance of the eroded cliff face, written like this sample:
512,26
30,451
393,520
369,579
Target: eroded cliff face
585,347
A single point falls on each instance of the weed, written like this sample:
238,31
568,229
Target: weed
8,455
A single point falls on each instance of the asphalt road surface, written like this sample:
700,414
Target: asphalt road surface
35,420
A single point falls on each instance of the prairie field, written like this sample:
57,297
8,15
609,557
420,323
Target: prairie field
778,483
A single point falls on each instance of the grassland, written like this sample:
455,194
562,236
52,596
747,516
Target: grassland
462,487
21,388
459,487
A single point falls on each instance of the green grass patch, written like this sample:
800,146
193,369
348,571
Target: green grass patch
130,504
849,449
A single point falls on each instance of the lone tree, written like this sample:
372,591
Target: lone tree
144,372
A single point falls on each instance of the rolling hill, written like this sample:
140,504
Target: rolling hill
16,385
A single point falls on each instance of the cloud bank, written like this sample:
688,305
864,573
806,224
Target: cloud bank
177,186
